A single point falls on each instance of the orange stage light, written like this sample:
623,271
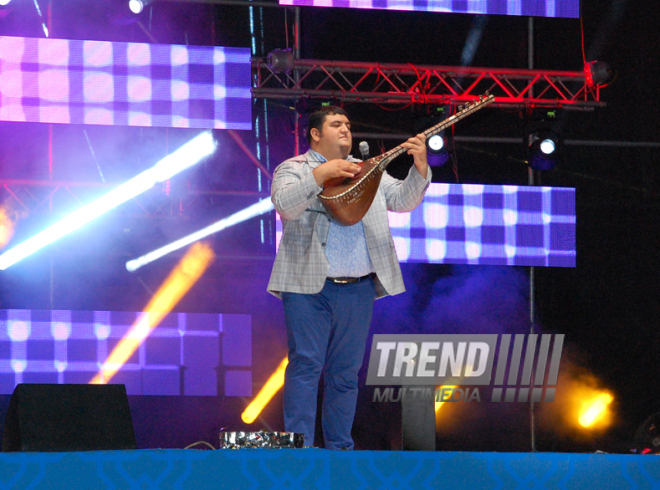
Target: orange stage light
272,386
191,267
594,409
439,404
6,228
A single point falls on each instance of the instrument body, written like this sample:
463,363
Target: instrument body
347,200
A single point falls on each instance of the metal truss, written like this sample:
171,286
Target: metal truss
389,83
21,197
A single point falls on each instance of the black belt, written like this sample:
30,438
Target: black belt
350,280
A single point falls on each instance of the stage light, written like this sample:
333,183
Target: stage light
186,156
6,227
437,146
5,8
128,12
543,153
543,140
272,386
548,146
598,73
255,210
438,403
280,60
436,143
191,267
437,151
136,6
594,410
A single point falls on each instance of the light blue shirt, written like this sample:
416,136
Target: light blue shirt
346,248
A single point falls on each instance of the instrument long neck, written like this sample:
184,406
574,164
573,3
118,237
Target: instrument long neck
390,155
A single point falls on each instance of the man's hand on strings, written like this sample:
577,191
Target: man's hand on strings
333,169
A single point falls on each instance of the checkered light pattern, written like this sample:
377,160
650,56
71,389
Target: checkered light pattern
184,355
537,8
124,84
487,225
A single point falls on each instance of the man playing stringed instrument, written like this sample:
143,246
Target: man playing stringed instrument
329,275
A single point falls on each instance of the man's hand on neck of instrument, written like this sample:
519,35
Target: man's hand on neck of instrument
417,148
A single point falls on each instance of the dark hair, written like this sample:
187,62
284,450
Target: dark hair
317,119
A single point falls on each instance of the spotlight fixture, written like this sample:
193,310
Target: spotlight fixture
136,6
438,150
127,12
5,8
543,141
281,60
437,146
543,150
598,73
436,143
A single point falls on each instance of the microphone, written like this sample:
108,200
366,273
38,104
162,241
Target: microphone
364,150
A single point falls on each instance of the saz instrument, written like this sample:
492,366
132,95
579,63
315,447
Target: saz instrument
347,200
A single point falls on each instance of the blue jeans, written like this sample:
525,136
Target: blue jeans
327,333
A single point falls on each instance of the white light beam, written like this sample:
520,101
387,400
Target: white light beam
250,212
186,156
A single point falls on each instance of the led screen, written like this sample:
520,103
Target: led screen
487,225
538,8
180,357
125,84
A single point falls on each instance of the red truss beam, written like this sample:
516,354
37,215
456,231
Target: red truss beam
407,83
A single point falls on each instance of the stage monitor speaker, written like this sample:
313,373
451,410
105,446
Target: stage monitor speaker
51,417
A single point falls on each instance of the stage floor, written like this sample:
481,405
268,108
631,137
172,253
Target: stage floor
321,469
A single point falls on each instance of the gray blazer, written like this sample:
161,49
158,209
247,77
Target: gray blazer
301,265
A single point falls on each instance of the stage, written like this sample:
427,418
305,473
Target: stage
318,468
